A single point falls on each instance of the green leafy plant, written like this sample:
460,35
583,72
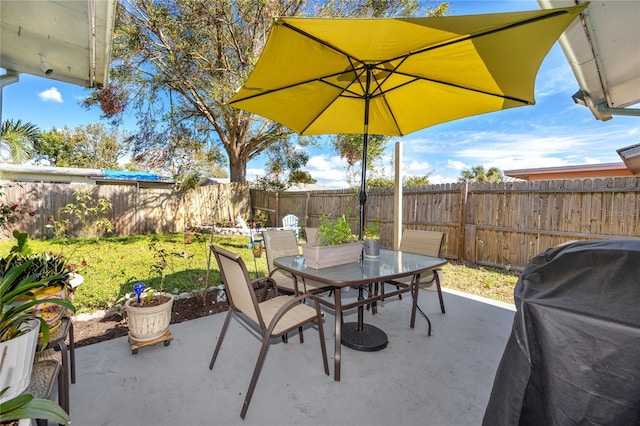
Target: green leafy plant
91,213
25,406
332,232
40,265
17,300
11,213
372,232
260,218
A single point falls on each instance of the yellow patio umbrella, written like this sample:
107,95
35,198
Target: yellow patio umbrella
393,76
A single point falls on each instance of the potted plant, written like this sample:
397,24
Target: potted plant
149,316
149,311
27,407
371,238
45,265
19,323
335,244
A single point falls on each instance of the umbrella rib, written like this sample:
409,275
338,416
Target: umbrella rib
458,86
320,41
299,83
481,34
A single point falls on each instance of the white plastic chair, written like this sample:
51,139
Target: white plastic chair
290,221
254,237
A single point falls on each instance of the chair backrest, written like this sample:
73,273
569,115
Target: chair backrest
243,225
279,243
290,221
428,243
311,234
237,284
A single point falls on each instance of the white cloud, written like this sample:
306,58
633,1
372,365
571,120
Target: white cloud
457,165
253,173
51,95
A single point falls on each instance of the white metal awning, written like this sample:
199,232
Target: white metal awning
65,40
603,49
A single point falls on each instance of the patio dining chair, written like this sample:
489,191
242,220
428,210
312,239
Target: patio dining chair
271,318
279,243
428,243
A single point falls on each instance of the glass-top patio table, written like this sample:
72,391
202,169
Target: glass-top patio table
388,266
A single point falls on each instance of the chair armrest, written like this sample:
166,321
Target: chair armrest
290,304
266,283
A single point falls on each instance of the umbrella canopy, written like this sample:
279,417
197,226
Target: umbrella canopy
394,76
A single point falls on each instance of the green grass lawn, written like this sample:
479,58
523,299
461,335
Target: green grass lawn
111,266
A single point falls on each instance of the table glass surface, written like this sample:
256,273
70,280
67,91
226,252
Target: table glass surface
390,264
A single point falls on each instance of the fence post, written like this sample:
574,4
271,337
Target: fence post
464,193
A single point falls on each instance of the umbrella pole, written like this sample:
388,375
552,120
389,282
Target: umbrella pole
365,143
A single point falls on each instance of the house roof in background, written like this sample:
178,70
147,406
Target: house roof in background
73,36
571,172
29,173
603,49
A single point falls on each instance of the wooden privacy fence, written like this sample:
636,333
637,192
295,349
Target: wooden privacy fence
135,210
501,225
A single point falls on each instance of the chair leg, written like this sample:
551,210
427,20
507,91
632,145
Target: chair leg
256,374
64,386
219,344
323,345
72,353
439,291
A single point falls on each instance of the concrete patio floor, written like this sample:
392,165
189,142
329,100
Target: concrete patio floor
444,379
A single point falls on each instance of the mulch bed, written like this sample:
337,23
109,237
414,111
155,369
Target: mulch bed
88,332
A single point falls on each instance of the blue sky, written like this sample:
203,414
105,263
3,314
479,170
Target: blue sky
554,132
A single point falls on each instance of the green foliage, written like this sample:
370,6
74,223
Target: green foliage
114,264
25,406
380,182
260,218
300,176
372,232
91,146
190,181
161,261
268,184
478,174
332,232
15,287
19,139
91,213
416,181
10,214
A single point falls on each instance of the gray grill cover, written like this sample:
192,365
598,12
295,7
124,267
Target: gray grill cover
573,356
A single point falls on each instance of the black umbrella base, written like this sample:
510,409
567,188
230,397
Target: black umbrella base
370,339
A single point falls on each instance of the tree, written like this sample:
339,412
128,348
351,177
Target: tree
18,139
417,181
478,174
176,63
91,146
300,176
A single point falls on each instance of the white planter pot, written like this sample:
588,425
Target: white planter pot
18,361
147,323
318,257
